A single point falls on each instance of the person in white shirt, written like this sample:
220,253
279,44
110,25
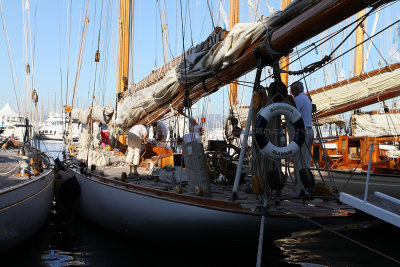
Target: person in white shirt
303,158
160,131
135,137
196,134
96,133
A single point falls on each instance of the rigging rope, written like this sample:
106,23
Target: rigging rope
79,64
69,46
211,15
327,38
10,58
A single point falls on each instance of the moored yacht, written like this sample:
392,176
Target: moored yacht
54,128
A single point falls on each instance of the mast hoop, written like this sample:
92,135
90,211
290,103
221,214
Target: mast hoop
264,116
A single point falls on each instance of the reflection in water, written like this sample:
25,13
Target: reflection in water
63,258
324,248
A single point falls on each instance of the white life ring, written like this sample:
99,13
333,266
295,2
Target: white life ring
266,147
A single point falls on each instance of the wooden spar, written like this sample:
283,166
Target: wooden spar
358,53
315,20
306,25
234,18
361,77
285,60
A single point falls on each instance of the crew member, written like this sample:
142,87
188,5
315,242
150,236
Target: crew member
105,141
195,134
160,131
136,136
303,158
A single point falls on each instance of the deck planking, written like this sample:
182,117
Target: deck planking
8,168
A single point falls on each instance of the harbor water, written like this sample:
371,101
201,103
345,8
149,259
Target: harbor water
73,241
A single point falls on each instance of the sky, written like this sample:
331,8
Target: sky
56,34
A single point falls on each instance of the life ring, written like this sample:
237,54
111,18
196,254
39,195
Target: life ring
266,147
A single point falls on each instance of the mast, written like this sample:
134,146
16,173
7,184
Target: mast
164,24
285,60
124,23
233,19
123,45
358,53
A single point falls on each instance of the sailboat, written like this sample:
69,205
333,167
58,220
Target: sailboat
194,210
26,177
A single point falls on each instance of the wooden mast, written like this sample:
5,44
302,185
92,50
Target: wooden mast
358,56
123,45
358,53
233,19
123,50
285,60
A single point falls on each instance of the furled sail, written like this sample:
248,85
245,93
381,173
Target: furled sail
200,64
98,113
375,125
339,122
358,92
207,71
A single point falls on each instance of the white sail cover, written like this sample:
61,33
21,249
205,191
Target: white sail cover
350,92
377,124
201,65
99,113
339,122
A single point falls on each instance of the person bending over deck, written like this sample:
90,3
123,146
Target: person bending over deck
303,157
136,135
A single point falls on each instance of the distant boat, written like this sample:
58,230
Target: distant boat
11,123
54,128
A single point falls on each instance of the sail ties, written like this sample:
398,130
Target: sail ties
272,55
311,67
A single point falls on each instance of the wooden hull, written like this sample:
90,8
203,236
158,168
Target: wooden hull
384,183
140,214
24,208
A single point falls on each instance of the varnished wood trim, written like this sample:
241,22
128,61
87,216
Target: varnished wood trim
213,204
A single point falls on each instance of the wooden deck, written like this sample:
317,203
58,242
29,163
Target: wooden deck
8,168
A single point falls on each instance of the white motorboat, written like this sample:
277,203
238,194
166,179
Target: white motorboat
12,124
54,128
